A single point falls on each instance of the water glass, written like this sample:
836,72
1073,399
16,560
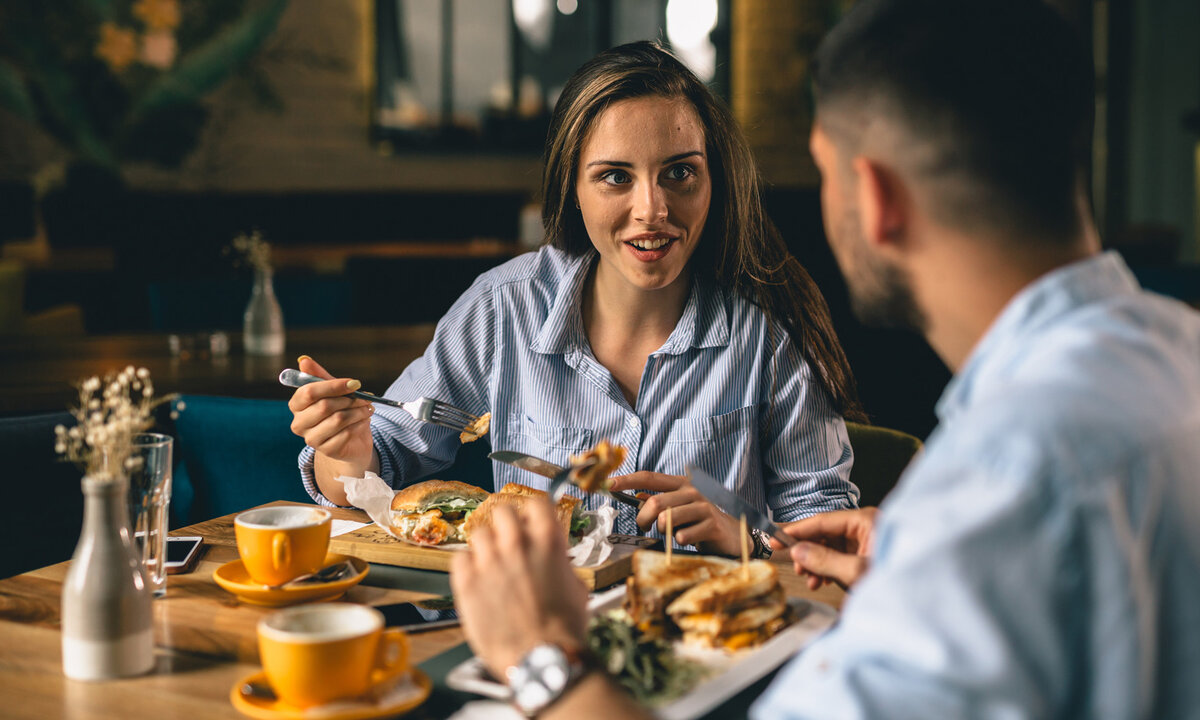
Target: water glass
149,500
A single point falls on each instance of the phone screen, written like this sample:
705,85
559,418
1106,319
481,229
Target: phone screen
178,550
418,613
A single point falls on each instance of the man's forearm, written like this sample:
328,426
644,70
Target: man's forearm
595,696
326,470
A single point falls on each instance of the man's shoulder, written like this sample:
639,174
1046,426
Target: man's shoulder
1087,395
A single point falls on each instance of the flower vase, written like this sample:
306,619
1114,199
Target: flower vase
262,325
107,628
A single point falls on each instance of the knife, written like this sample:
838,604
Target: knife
557,473
719,495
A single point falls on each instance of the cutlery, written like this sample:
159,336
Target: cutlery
559,476
325,575
260,690
423,409
731,504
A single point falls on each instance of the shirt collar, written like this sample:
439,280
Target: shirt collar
1037,305
704,323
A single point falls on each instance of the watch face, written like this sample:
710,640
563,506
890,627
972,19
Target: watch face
532,696
541,677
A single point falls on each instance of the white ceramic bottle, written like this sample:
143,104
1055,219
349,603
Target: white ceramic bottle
107,626
262,325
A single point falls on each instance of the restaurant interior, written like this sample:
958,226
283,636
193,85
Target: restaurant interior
388,152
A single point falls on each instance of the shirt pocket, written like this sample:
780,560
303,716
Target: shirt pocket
720,444
551,442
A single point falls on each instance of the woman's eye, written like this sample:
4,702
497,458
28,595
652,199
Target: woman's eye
615,177
680,172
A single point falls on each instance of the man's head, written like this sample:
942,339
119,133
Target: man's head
978,112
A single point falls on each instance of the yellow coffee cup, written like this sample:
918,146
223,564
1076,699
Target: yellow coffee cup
314,654
278,544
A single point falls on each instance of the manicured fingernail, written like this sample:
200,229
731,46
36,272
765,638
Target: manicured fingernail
800,552
302,358
353,385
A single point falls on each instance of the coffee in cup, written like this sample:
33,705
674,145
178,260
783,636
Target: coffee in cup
315,654
278,544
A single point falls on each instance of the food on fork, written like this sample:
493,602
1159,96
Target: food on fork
434,512
477,429
600,462
568,510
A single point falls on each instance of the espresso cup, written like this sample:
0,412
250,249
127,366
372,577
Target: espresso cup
278,544
315,654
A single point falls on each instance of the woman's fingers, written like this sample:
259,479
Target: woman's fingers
645,480
307,365
336,424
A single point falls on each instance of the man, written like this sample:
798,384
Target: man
1041,558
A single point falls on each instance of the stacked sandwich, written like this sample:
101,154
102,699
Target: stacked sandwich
709,601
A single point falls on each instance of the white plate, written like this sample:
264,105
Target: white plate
732,672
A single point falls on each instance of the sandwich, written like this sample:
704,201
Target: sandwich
708,601
739,609
599,463
654,583
434,512
567,511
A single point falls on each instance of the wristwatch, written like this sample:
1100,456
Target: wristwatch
543,675
762,545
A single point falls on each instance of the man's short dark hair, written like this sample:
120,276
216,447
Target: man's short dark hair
996,94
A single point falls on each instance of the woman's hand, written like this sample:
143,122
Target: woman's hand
694,519
836,546
336,426
514,588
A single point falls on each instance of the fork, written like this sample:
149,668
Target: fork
423,409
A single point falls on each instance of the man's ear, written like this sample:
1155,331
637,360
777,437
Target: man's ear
880,202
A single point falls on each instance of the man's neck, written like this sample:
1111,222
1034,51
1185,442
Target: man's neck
965,283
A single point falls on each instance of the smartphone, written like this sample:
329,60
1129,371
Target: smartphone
420,615
183,552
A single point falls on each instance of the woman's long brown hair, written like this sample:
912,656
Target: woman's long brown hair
740,244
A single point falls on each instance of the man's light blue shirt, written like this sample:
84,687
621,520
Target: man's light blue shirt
1041,558
727,392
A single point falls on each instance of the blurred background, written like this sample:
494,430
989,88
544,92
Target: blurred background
388,150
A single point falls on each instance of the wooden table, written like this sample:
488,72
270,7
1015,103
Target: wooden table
205,641
37,373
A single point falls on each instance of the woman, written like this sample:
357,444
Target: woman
665,315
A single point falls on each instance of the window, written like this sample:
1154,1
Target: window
478,75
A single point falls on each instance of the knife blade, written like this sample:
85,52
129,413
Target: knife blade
548,469
731,504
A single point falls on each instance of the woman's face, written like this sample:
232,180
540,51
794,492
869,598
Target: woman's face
643,189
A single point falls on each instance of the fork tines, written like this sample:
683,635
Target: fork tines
451,416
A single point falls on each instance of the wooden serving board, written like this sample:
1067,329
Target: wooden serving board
372,544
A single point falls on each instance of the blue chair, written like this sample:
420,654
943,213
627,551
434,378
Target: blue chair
43,494
232,454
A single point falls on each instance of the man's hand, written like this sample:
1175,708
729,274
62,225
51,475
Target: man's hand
514,588
835,546
694,519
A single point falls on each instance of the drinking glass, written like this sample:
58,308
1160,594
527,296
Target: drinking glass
149,499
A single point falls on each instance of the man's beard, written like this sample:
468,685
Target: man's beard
880,293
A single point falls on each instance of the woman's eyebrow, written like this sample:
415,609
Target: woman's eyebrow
622,163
